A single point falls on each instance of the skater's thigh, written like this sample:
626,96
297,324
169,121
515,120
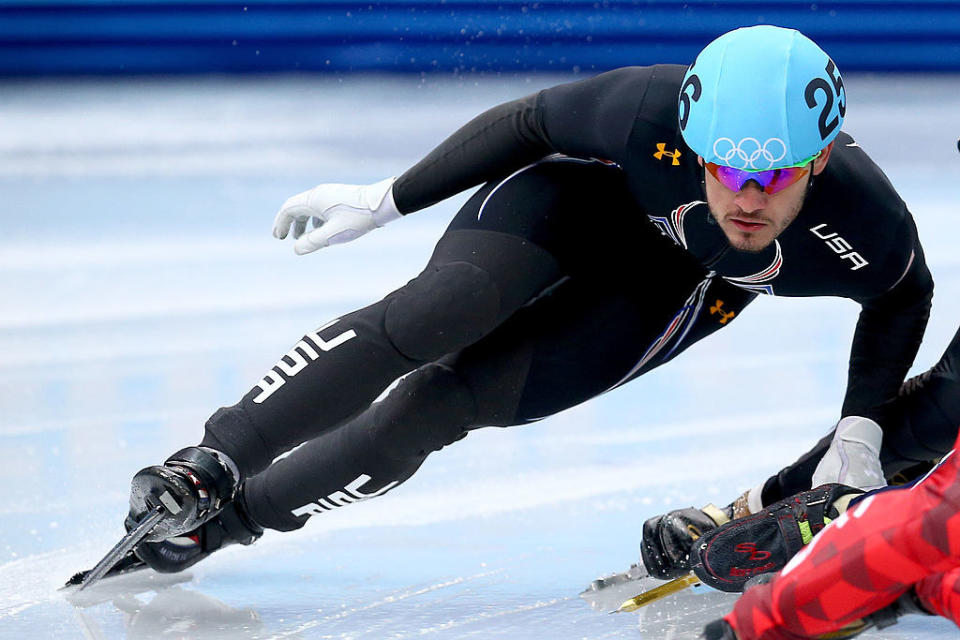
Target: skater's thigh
570,345
513,239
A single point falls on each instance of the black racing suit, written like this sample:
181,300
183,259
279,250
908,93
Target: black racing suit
564,276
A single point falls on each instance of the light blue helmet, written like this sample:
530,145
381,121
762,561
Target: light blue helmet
761,98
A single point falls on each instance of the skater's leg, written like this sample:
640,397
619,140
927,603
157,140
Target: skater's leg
498,253
615,326
433,407
369,455
573,343
335,372
509,242
940,594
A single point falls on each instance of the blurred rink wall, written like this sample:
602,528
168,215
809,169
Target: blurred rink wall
39,37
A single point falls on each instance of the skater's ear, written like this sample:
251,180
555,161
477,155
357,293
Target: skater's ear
821,162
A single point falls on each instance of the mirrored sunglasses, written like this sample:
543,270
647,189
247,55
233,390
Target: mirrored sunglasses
772,181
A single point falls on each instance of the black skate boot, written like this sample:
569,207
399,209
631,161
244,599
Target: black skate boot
193,485
231,525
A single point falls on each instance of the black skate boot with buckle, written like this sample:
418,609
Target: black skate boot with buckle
193,485
232,525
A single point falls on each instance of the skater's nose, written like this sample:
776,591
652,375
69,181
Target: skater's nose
751,198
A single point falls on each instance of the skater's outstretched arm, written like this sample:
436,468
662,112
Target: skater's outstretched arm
591,118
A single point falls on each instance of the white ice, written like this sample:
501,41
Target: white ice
141,289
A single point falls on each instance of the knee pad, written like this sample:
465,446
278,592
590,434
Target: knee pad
442,310
428,410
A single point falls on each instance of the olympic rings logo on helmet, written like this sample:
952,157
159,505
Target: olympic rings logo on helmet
748,152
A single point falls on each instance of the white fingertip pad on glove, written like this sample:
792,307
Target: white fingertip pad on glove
339,212
853,457
294,209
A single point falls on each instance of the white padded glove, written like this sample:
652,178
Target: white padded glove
340,213
853,458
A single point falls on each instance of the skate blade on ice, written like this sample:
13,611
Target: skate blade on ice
609,592
123,585
127,564
635,572
618,592
684,614
659,592
122,548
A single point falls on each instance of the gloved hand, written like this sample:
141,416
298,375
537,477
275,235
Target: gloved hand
728,556
718,630
853,458
668,539
340,213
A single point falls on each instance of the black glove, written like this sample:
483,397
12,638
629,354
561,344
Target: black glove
726,557
907,603
668,539
718,630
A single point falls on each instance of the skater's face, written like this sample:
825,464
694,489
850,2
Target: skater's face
751,218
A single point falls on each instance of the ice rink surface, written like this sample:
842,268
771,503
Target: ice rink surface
141,289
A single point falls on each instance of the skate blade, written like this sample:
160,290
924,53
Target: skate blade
634,573
658,593
854,628
127,564
126,544
608,593
124,585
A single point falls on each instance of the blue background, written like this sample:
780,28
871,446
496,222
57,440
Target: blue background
189,36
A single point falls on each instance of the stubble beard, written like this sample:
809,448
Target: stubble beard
747,242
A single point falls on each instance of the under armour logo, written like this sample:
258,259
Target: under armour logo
724,315
662,151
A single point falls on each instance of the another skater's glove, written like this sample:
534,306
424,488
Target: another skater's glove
853,458
340,213
718,630
668,539
727,557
